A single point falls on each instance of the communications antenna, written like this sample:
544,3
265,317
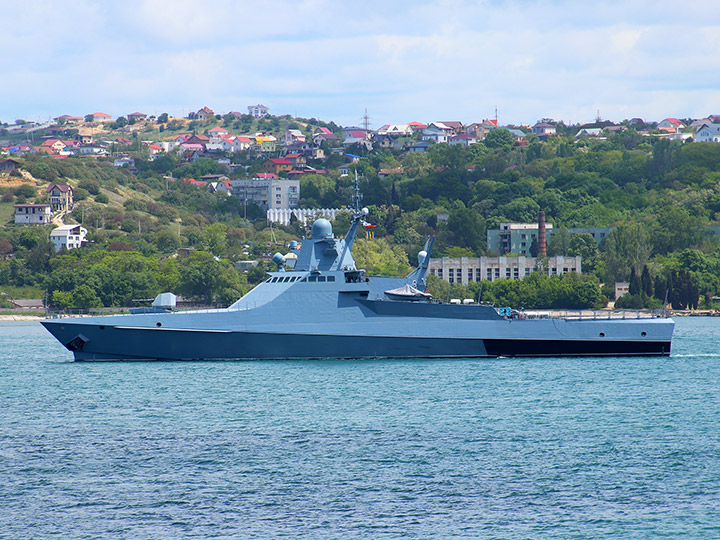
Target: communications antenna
496,118
366,120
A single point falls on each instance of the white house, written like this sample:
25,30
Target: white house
241,143
708,133
219,144
436,132
293,136
68,237
398,130
33,214
462,140
258,111
588,132
544,129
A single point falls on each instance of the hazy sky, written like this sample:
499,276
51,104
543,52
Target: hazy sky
403,60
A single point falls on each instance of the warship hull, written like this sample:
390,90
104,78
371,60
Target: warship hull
103,340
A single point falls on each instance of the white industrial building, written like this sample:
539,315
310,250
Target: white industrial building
466,269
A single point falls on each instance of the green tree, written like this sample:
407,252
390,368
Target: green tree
499,138
468,229
627,246
559,243
84,297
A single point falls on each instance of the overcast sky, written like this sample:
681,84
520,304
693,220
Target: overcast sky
402,60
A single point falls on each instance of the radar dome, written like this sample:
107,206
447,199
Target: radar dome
321,228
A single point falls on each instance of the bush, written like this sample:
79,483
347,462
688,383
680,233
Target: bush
101,198
91,186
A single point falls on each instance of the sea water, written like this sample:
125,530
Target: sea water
504,448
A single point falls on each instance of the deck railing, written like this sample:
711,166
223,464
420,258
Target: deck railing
593,314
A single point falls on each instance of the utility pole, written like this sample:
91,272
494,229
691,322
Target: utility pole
366,120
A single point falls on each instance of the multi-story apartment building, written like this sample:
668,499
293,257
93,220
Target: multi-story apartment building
268,193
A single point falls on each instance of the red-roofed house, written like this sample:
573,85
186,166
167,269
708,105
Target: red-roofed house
277,165
671,125
202,114
241,143
296,159
69,119
101,117
417,126
217,131
197,139
267,176
323,134
154,148
52,146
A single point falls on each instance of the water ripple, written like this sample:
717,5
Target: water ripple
624,448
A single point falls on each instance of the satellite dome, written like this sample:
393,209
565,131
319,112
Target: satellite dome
321,228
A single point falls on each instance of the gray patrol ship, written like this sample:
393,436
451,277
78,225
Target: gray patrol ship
326,307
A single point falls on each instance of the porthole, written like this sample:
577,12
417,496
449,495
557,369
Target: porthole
602,334
643,334
158,324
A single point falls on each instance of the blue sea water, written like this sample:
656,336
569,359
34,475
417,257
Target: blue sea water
580,448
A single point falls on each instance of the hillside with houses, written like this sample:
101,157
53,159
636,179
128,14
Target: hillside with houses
631,205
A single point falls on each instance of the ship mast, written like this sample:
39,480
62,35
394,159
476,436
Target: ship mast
357,216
